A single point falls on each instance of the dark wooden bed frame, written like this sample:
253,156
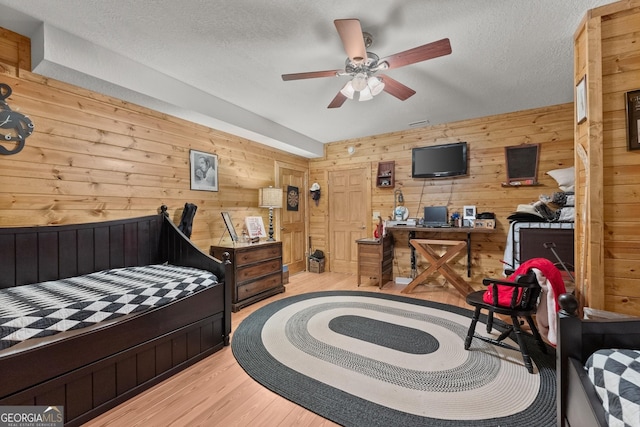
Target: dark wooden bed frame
578,404
91,372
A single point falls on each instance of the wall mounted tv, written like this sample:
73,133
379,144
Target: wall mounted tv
439,161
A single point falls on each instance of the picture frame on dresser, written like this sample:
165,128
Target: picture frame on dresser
229,224
632,99
255,227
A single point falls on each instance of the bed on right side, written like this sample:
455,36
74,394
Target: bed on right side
583,341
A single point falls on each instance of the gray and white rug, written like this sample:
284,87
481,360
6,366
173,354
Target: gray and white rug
370,359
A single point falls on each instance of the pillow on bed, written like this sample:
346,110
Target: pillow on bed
564,177
616,377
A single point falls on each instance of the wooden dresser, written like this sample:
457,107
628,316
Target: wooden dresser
375,259
257,271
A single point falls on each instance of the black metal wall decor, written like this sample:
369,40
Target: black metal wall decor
14,126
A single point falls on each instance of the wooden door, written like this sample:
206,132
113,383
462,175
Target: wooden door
349,194
292,223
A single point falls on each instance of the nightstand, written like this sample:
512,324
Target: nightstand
256,272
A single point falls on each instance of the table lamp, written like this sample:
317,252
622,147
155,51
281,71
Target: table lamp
271,198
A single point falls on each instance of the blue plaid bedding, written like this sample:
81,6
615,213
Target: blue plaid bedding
49,308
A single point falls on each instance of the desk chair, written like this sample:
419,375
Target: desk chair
523,302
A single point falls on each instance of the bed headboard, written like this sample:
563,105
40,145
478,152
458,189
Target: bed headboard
37,254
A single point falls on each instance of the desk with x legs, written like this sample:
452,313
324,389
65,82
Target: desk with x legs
438,263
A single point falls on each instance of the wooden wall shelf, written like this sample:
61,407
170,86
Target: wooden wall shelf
386,175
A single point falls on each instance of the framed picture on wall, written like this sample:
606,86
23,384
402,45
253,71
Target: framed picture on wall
633,119
522,163
581,100
204,171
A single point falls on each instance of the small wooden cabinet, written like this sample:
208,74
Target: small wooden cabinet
375,259
256,272
386,174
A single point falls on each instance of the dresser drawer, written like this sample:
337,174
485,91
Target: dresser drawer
266,283
257,254
258,270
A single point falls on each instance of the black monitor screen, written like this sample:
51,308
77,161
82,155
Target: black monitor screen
439,161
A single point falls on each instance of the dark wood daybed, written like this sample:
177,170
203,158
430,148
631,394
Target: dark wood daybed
94,371
578,404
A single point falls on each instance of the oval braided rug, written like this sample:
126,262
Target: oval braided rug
369,359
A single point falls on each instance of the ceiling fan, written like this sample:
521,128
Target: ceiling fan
363,66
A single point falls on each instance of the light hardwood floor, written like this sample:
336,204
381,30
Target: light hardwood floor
217,392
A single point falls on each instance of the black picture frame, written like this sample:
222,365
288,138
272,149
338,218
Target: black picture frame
633,119
522,163
203,168
227,221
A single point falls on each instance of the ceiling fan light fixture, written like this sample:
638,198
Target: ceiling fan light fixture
365,94
348,90
376,85
359,82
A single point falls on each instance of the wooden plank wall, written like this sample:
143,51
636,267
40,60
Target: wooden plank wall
94,158
15,50
588,160
487,137
616,51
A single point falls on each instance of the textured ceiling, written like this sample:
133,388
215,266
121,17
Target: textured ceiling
219,63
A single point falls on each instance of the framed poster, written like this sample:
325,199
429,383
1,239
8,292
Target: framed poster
633,119
255,226
204,171
230,228
581,100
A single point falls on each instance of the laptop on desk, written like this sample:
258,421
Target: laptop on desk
435,217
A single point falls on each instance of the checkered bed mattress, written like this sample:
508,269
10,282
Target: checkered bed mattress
616,377
49,308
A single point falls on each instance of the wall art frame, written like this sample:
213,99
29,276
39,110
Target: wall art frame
632,99
468,216
522,163
255,227
229,224
581,100
203,169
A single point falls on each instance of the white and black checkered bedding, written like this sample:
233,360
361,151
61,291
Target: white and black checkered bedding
616,377
48,308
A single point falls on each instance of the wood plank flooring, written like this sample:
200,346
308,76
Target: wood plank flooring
217,391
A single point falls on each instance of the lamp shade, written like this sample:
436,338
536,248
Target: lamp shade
348,90
270,197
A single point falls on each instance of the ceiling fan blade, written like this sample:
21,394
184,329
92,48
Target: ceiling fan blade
310,75
337,101
418,54
397,89
350,32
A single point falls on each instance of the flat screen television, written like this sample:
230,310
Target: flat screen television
439,161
